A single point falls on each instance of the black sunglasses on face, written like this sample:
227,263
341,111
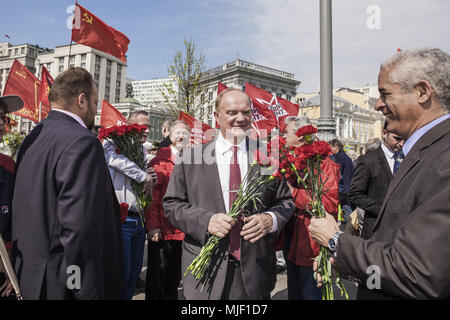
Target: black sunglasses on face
5,119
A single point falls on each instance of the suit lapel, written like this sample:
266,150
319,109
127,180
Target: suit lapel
385,169
412,159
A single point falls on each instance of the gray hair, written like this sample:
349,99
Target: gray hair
372,144
174,123
133,116
167,123
414,65
299,121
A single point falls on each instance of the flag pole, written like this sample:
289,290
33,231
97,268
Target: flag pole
71,31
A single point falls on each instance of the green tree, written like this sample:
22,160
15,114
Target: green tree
186,71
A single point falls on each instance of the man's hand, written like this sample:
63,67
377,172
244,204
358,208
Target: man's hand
154,235
6,288
153,174
220,224
322,229
256,226
148,185
316,266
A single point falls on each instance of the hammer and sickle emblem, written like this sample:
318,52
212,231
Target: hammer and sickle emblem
87,18
21,73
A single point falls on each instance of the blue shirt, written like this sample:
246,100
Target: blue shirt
419,133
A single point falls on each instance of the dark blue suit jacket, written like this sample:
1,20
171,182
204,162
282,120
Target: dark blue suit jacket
65,214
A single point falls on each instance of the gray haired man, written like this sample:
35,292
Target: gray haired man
408,255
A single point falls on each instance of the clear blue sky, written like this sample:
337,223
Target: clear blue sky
282,34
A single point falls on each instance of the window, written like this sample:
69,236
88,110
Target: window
97,67
22,50
61,68
16,51
83,57
210,96
61,60
83,65
72,59
98,59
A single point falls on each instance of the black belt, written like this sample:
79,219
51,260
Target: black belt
133,214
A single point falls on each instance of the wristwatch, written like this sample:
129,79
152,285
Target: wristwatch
332,243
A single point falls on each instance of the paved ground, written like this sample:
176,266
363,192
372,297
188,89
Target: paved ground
279,292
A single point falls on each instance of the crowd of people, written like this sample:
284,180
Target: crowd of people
61,215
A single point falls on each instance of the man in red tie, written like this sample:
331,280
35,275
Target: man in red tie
200,193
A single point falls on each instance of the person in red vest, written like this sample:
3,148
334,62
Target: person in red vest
299,249
164,246
7,168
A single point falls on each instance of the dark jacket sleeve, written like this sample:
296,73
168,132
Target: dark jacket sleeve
415,265
80,175
191,220
359,188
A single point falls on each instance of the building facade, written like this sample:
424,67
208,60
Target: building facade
354,113
109,72
148,92
25,53
236,74
157,116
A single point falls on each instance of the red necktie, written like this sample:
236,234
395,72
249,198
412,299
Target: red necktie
235,181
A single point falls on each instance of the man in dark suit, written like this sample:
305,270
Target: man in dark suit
408,255
371,178
66,222
199,194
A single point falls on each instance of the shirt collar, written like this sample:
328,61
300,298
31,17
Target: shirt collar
387,151
223,145
420,132
73,115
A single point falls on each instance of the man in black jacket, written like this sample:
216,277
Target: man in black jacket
371,178
66,222
7,167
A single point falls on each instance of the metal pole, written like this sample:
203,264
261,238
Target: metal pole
326,123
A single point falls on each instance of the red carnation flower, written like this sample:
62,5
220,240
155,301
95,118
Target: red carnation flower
306,131
123,211
322,148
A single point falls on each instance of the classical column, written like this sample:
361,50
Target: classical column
326,123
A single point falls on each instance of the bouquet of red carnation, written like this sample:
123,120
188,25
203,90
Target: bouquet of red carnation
127,139
301,166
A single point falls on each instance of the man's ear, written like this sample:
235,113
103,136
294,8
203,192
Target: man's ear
424,91
81,101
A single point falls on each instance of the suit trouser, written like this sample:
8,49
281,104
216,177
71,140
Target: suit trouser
164,270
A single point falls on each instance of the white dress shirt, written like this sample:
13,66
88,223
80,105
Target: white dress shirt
389,157
224,154
73,115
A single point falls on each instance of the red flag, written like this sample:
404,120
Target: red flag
221,87
46,84
263,117
200,132
264,101
23,83
93,32
110,116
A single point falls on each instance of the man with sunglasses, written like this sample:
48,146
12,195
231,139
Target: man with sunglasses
7,167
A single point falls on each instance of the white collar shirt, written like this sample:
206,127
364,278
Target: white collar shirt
389,156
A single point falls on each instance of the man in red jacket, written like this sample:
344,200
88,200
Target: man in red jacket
298,247
164,246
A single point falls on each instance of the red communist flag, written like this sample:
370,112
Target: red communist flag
110,116
265,101
93,32
200,132
23,83
46,84
263,118
220,87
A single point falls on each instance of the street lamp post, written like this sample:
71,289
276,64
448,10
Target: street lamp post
326,123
